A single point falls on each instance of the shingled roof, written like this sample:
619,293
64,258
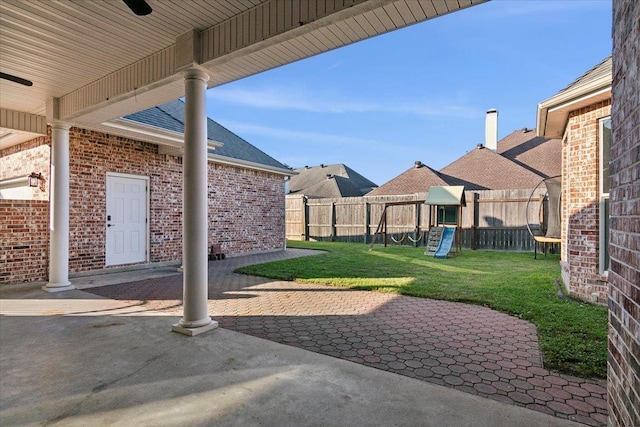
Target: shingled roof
592,87
600,71
521,161
542,156
415,180
336,180
483,169
170,116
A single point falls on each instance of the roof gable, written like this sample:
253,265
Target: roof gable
170,116
312,181
521,161
334,187
417,179
482,169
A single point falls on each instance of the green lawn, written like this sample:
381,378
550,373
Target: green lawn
573,334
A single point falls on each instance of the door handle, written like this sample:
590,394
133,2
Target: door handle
109,225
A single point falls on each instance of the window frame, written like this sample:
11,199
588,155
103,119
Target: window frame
603,198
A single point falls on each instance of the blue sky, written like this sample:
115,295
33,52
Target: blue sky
418,93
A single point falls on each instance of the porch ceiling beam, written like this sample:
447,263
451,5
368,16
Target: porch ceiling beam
23,122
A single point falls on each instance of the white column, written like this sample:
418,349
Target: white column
195,319
59,211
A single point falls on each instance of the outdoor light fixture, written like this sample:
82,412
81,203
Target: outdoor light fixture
34,179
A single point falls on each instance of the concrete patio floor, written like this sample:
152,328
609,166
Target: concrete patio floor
104,355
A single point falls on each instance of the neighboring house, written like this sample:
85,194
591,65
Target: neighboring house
581,115
329,181
415,180
486,169
518,161
117,183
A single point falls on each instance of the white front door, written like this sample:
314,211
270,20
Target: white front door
127,202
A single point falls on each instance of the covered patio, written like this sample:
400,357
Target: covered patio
87,64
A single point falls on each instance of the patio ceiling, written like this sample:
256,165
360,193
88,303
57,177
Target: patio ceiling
94,61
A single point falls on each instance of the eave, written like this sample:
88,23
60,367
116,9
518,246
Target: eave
553,114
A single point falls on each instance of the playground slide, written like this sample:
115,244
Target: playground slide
444,247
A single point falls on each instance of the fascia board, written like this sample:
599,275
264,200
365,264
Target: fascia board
156,134
573,98
250,165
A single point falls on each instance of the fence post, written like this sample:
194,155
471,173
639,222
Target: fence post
367,220
333,221
305,218
416,232
476,221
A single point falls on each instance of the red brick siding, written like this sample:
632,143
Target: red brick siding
624,274
92,155
580,254
246,208
23,159
24,240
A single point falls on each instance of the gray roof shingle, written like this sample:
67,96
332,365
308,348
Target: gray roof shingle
336,180
541,156
334,187
482,169
602,69
417,179
170,116
521,161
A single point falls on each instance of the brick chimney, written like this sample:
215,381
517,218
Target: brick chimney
491,130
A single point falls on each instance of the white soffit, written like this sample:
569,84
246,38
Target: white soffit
593,87
103,62
557,116
17,127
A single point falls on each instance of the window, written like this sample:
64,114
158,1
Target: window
605,159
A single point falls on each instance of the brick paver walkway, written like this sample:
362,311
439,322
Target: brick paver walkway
467,347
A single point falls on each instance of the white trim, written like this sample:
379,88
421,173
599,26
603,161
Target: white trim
158,135
250,165
580,100
559,109
147,181
602,199
594,87
171,143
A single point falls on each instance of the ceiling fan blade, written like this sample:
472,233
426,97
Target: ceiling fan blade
16,79
139,7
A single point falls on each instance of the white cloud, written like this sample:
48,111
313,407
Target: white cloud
301,99
303,136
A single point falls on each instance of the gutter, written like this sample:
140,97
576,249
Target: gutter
569,100
154,134
215,158
172,142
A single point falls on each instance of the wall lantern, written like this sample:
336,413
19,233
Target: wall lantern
34,179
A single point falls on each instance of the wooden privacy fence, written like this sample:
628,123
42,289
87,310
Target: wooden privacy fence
492,219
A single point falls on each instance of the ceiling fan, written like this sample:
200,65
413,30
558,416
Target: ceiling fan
139,7
16,79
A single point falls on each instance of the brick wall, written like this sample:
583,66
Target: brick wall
580,254
246,208
24,240
624,274
25,158
92,155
